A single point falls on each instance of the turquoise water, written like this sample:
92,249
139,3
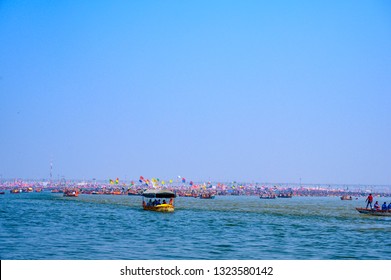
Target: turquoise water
50,226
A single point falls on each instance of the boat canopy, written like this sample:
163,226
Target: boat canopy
164,193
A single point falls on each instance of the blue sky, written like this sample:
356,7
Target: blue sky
267,91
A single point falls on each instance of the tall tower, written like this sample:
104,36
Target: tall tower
51,171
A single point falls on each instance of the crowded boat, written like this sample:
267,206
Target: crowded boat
159,200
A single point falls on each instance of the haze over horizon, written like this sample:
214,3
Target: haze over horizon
223,90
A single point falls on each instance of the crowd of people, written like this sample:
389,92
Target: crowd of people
157,202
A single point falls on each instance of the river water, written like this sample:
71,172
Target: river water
48,226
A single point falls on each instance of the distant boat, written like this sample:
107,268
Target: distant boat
206,196
1,192
188,195
96,192
285,195
159,195
57,191
15,191
71,193
267,196
374,212
133,192
346,197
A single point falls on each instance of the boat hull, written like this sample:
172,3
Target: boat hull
160,208
207,196
374,212
71,195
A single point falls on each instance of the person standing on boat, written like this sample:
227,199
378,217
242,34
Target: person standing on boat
369,200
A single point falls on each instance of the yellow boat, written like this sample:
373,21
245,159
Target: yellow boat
158,200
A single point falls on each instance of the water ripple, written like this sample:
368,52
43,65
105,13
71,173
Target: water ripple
50,226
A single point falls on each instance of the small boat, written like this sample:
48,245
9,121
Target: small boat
15,191
1,192
133,192
267,196
188,195
57,191
71,193
346,197
374,212
206,196
156,204
285,195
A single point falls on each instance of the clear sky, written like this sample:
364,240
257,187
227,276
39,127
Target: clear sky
265,91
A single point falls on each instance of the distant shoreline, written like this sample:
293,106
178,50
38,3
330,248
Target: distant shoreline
193,189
